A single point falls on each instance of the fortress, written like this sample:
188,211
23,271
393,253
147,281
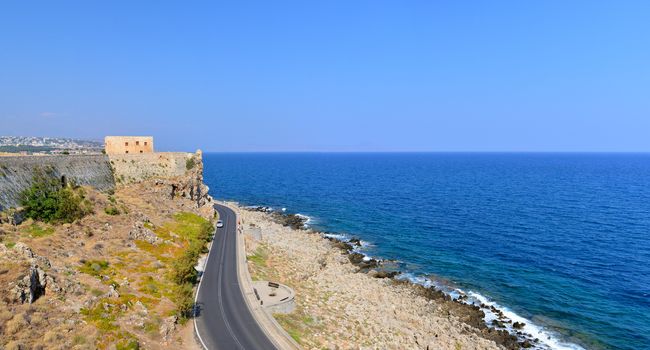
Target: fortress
127,160
128,144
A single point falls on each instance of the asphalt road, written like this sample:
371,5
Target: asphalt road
223,320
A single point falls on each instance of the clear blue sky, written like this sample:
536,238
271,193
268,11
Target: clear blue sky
331,75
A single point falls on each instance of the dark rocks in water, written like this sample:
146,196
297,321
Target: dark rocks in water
341,245
502,337
526,344
355,241
368,264
360,261
469,314
260,208
518,325
292,220
497,323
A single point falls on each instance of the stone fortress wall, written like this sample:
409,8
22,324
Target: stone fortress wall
17,173
128,144
103,172
130,168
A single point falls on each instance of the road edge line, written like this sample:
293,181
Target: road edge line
280,338
198,288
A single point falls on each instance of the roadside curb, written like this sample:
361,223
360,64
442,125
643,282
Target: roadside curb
280,338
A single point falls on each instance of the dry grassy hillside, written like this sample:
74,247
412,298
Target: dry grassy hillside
106,280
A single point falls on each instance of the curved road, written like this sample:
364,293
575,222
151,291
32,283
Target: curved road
223,320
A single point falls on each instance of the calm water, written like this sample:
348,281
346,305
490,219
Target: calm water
560,239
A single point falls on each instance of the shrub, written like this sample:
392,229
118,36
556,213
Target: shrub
198,232
94,267
190,163
48,200
112,210
183,269
128,344
184,300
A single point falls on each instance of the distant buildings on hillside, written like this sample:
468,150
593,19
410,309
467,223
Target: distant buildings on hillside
48,145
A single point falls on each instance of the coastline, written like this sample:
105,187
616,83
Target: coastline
345,300
480,322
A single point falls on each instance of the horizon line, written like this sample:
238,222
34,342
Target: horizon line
425,152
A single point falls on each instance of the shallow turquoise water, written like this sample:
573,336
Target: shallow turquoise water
560,239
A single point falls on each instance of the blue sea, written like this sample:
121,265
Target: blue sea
559,240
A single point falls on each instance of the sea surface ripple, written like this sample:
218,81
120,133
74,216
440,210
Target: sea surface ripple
562,240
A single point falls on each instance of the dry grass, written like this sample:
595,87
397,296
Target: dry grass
94,253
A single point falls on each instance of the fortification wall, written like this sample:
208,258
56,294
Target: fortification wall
130,168
16,173
128,144
103,172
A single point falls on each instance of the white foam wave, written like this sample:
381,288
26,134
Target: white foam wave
308,219
547,340
339,236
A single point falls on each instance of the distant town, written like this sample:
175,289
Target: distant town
12,145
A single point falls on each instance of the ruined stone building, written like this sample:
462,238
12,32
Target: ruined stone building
128,144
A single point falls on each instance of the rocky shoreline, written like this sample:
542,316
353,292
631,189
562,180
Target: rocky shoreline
505,333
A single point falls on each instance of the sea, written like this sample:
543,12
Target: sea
559,241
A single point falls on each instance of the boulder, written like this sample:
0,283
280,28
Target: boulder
356,258
140,232
382,273
35,259
355,242
168,327
342,245
31,286
112,292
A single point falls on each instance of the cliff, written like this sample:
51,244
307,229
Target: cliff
107,280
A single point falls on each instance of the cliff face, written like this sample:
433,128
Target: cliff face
131,168
188,186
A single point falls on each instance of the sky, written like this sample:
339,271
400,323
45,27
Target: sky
230,76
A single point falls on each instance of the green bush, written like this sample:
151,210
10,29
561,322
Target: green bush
184,300
184,271
47,199
94,267
189,164
112,210
128,344
198,232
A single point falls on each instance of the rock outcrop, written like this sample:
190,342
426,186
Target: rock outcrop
168,327
30,287
140,232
